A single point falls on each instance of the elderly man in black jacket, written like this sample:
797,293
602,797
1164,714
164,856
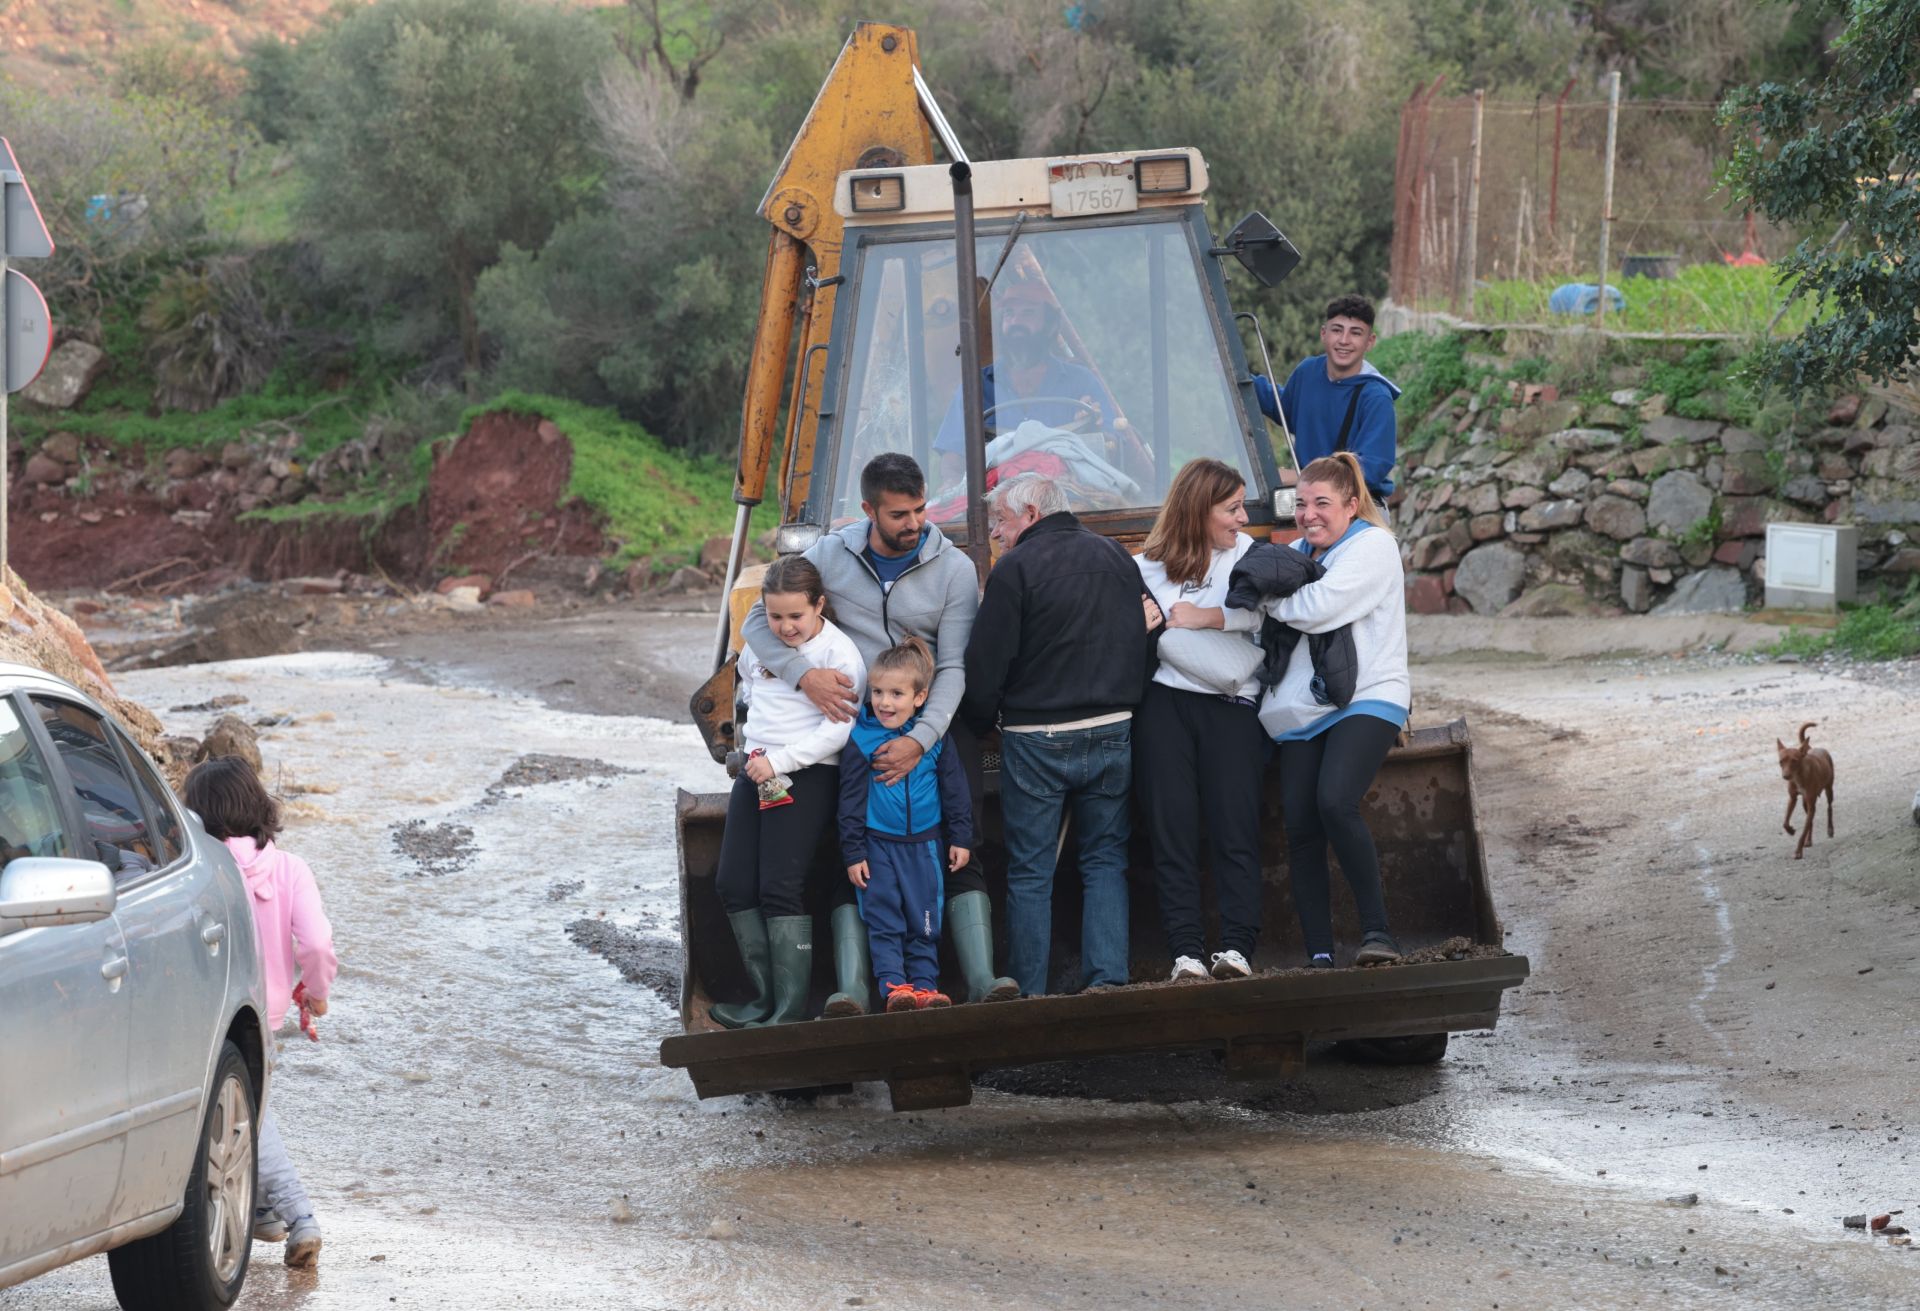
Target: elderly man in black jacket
1059,654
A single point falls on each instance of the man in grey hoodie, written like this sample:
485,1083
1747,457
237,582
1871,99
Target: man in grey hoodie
889,575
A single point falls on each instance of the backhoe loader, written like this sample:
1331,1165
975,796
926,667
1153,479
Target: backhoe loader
886,265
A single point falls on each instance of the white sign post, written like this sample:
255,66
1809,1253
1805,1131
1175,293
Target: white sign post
27,327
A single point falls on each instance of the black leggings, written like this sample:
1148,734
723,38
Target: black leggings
765,854
1321,783
1198,762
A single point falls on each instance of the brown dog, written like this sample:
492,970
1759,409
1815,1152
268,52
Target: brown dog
1809,772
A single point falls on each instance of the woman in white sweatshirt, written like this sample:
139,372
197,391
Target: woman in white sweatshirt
783,799
1199,752
1329,754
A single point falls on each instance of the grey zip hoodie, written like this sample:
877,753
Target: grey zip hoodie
934,600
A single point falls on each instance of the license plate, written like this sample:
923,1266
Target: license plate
1089,196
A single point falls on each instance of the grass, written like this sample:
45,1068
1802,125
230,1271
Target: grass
654,501
1889,630
1702,298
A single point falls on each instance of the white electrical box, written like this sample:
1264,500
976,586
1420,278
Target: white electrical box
1811,566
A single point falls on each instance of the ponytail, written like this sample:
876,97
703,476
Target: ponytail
912,656
1341,471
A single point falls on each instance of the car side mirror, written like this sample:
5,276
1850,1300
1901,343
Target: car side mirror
1262,249
39,892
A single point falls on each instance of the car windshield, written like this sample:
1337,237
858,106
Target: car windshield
1102,366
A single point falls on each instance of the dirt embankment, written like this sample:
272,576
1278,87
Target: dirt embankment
88,517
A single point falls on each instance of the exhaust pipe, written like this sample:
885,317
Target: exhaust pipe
972,402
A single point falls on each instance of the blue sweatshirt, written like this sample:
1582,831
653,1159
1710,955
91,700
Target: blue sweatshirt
930,804
1315,409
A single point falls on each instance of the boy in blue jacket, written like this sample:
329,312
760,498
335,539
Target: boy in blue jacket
893,837
1338,401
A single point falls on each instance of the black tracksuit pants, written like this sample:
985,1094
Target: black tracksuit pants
1321,783
1197,762
765,854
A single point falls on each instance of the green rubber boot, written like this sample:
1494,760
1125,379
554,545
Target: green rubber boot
851,965
790,939
970,925
750,931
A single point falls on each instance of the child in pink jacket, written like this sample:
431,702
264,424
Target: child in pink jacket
293,930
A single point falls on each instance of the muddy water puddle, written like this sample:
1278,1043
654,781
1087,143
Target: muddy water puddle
485,1122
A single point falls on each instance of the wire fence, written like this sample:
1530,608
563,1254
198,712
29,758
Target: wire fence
1488,220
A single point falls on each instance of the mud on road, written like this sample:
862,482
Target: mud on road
485,1122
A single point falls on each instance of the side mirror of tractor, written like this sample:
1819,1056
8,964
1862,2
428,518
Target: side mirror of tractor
1262,249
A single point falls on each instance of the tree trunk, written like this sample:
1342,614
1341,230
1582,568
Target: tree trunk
463,280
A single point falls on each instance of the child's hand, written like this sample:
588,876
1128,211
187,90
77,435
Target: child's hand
759,768
858,875
957,858
318,1005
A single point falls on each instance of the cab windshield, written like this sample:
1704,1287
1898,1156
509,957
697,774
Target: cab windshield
1101,366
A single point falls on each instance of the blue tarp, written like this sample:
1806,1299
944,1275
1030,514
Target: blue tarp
1583,298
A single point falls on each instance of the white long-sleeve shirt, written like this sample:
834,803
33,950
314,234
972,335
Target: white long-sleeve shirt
1364,586
1209,593
781,720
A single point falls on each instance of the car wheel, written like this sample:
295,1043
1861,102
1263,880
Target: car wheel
199,1262
1418,1049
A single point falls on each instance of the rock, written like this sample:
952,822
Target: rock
265,487
1553,601
1549,515
1806,489
1854,442
1845,410
518,598
1436,454
1484,499
1427,595
547,432
1522,497
1537,421
1739,554
1535,468
1747,474
1585,439
1584,557
1609,416
230,736
1652,407
1905,561
464,600
1882,501
1898,434
1667,428
478,582
1735,440
45,470
1708,591
64,447
1570,483
1490,577
686,579
236,456
1832,467
1696,553
1617,517
1486,527
71,371
1635,590
1458,536
714,552
313,586
184,463
1660,577
1711,404
1871,413
1678,501
1432,552
1743,516
1631,488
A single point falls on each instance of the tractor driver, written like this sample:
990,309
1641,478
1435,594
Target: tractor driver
1025,381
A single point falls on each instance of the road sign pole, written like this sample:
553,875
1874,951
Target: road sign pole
5,391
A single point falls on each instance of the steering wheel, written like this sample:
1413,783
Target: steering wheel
1088,410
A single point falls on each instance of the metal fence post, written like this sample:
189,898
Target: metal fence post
1606,191
1470,235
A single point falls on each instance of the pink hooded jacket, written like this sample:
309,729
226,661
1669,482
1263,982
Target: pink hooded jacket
292,923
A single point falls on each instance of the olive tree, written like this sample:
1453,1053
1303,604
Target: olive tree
433,133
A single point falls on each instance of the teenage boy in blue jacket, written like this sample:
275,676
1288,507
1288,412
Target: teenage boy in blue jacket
1337,401
899,840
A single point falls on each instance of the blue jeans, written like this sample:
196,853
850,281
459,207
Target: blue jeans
1044,776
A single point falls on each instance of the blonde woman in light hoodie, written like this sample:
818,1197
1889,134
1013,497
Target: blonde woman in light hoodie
293,930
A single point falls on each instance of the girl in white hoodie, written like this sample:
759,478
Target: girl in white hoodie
293,930
1329,754
770,839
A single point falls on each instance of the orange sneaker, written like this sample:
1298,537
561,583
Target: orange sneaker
902,997
930,999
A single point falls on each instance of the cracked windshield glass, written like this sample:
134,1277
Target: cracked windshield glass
1100,367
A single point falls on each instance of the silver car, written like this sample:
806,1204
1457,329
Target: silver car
133,1052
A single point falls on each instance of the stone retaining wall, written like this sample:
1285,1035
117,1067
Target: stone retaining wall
1560,508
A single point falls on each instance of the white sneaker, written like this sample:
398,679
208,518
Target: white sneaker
1186,967
1230,965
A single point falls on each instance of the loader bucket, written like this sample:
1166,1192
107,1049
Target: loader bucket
1432,865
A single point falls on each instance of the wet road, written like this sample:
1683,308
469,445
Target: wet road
485,1124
